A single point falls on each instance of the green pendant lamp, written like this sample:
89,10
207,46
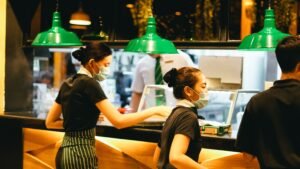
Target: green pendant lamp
266,39
151,43
56,36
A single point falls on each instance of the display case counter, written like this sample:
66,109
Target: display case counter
131,147
139,133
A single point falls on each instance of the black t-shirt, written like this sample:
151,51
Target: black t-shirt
182,120
270,126
78,96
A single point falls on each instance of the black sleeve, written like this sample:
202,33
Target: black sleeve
187,124
94,91
246,135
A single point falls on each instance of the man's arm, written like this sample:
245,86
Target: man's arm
135,101
137,87
250,159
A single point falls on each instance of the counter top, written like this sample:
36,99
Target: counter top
140,133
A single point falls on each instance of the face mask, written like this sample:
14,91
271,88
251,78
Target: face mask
202,101
103,73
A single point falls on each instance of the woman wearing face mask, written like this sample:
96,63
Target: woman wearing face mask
80,100
180,142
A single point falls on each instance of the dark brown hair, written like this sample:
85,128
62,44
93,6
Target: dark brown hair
178,79
288,53
93,50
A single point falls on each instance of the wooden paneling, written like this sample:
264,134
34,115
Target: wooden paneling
246,22
40,148
236,161
140,151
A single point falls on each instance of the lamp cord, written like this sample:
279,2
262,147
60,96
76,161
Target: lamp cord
269,4
151,8
56,7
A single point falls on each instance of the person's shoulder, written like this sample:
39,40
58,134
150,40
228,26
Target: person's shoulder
261,97
180,54
184,112
180,58
86,80
145,59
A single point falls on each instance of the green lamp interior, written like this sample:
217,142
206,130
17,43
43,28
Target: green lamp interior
267,38
56,36
151,43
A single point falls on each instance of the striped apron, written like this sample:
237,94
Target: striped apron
77,150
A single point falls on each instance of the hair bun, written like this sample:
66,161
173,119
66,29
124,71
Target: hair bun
79,54
170,77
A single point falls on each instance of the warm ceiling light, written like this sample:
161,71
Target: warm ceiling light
177,13
80,18
129,6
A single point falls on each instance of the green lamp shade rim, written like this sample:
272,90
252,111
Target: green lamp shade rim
161,46
260,41
151,43
266,39
56,36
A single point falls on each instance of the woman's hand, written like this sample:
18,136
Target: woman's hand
162,111
101,117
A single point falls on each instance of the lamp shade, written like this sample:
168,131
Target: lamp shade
151,43
56,36
267,38
80,18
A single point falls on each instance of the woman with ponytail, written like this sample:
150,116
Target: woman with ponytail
180,142
80,101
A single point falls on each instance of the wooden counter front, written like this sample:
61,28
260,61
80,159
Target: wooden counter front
131,147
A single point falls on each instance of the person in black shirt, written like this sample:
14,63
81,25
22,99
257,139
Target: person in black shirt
80,100
180,142
269,128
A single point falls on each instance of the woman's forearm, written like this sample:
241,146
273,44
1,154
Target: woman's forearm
58,124
130,119
126,120
134,118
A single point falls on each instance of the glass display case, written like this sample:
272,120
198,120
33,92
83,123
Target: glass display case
227,107
150,96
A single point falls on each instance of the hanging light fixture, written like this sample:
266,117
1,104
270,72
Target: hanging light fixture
267,38
151,42
102,35
56,36
79,19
